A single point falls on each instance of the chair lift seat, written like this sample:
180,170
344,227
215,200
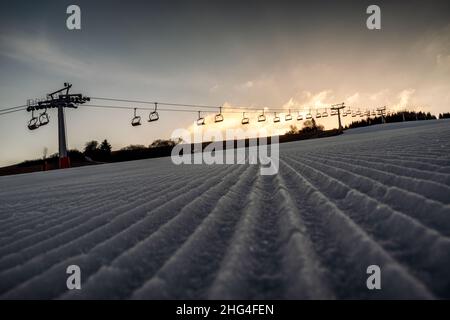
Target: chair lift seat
299,117
288,117
261,118
201,121
33,124
245,120
43,119
154,116
218,118
136,121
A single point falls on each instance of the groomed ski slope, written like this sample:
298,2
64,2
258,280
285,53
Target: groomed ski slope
151,230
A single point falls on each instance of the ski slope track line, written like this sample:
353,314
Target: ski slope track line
149,229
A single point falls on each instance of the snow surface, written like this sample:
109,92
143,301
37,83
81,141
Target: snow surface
150,229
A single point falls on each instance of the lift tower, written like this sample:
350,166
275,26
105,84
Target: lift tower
59,99
338,107
382,112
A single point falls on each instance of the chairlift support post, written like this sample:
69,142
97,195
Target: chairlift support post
382,112
338,107
59,99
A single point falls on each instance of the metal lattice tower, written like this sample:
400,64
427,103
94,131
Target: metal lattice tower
59,99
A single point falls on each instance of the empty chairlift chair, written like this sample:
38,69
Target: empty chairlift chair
325,114
308,115
288,117
154,116
136,121
299,117
200,120
318,115
245,120
262,117
44,118
33,124
219,116
276,118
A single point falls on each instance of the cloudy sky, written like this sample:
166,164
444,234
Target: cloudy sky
235,53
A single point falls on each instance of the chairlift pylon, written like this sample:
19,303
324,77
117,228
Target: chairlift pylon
200,120
154,116
136,121
245,120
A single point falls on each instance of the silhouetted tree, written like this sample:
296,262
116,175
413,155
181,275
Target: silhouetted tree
310,126
105,147
293,130
165,143
90,149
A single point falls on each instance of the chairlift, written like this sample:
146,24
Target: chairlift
325,114
288,117
299,117
318,115
262,117
374,113
308,115
333,112
353,114
154,116
344,114
219,117
276,118
245,120
358,112
136,121
44,118
200,120
33,124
